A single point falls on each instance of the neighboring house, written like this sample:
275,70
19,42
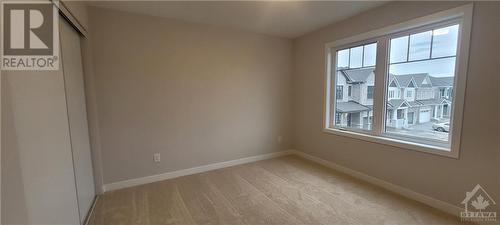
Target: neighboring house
355,97
412,98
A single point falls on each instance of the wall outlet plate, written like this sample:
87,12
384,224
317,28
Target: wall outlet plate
156,157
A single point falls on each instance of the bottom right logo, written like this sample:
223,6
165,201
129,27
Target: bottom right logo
476,203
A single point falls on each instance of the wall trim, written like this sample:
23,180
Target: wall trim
189,171
435,203
91,210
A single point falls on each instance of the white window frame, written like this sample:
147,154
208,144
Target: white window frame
461,15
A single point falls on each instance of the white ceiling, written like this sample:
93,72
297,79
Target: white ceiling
287,19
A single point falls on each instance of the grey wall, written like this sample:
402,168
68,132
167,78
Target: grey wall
439,177
194,93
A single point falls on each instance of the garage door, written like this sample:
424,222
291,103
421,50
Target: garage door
425,116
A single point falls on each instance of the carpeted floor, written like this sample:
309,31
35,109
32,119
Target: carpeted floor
286,190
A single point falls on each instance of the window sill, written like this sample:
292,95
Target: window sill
431,149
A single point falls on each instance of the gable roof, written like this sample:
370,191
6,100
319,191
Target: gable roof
358,75
420,78
392,78
404,80
396,103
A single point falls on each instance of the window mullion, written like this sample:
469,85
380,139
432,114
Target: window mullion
380,85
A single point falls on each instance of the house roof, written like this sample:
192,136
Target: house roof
414,103
404,80
351,106
433,101
358,75
442,81
392,78
396,103
419,79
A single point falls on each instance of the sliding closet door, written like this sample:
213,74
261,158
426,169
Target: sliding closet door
77,116
38,184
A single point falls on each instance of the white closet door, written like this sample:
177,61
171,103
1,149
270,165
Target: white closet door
77,116
38,184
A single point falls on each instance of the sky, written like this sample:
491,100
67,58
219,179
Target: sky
444,44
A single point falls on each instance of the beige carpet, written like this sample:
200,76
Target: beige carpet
287,190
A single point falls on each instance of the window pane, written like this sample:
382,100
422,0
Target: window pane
353,105
444,42
444,67
356,57
343,58
340,92
399,49
419,100
420,46
369,92
370,54
354,87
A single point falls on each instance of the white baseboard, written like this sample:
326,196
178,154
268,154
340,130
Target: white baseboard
189,171
91,210
435,203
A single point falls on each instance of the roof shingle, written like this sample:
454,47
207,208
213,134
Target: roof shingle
358,75
351,106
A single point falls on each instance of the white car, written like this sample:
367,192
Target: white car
442,127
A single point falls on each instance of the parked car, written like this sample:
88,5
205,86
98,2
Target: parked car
442,127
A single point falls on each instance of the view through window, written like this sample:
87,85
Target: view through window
420,83
354,86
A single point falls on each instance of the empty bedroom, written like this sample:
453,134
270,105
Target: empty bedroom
250,112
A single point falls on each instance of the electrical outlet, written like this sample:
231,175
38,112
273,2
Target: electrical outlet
156,157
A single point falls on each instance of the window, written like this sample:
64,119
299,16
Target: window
419,65
409,94
340,92
414,90
369,92
391,93
337,118
401,114
355,69
442,92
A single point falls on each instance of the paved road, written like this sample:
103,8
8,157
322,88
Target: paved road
422,130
